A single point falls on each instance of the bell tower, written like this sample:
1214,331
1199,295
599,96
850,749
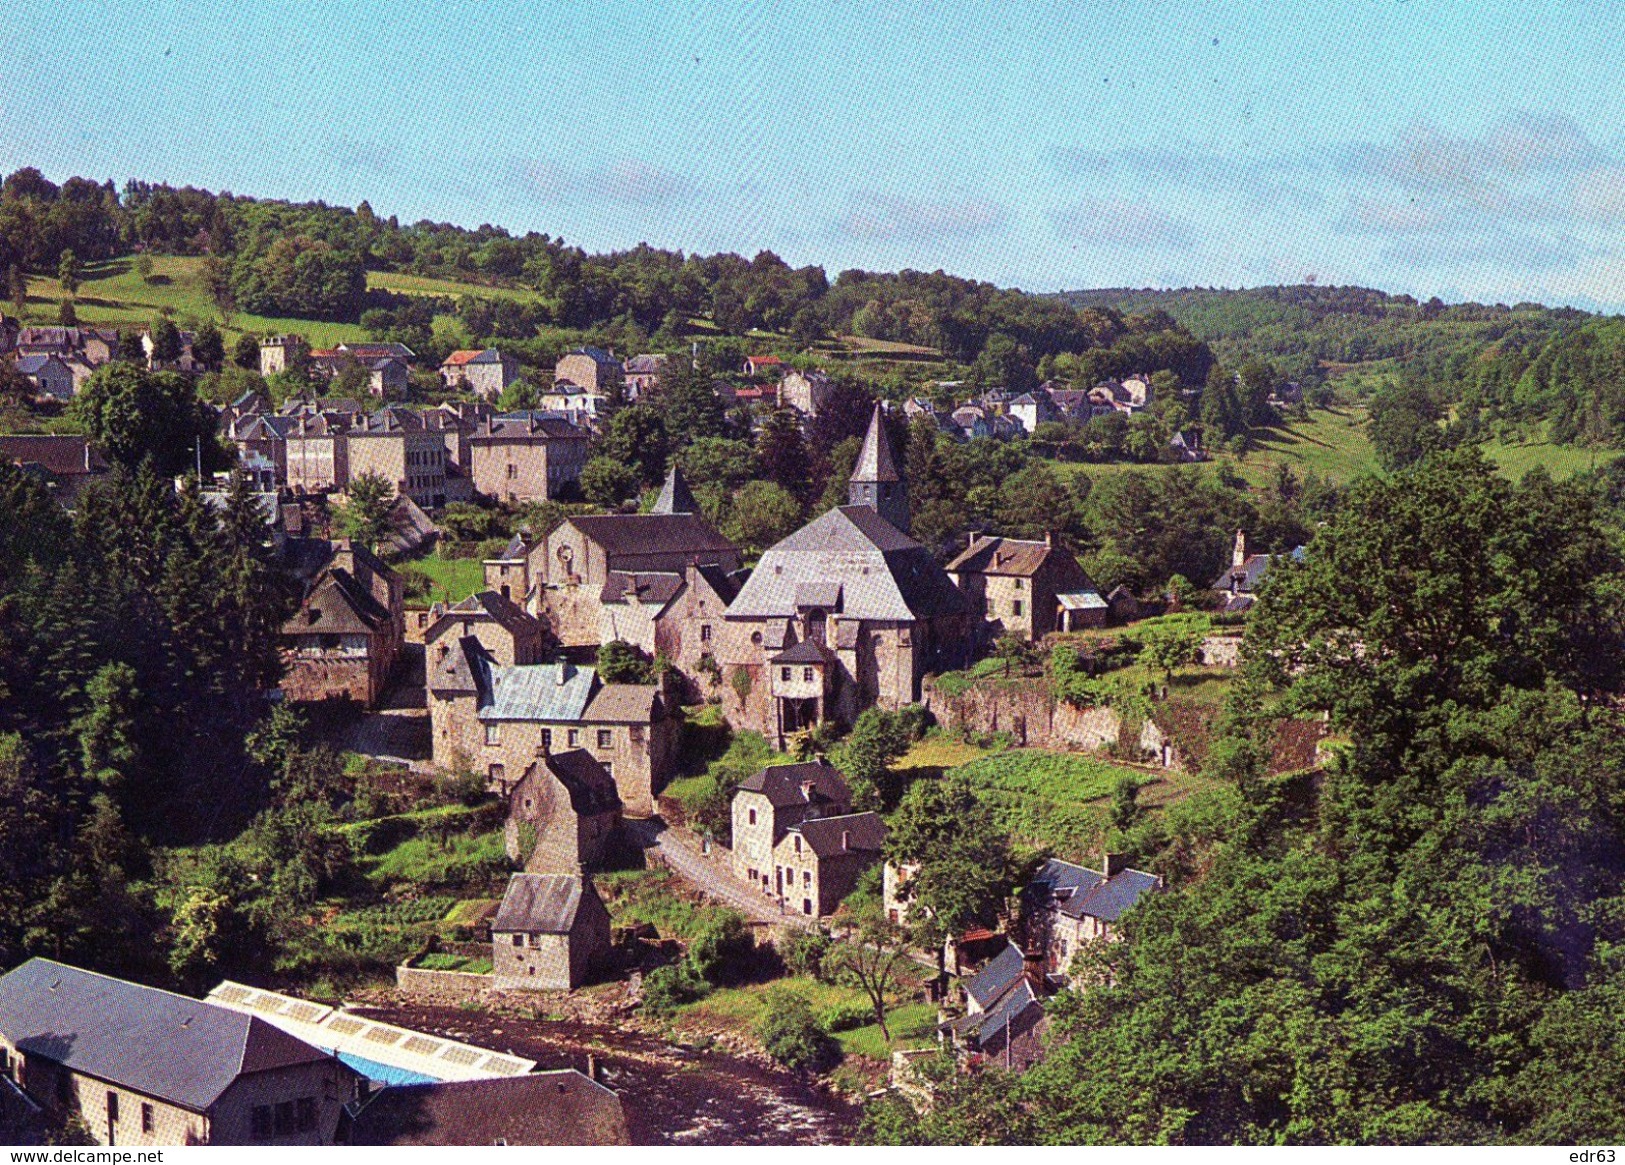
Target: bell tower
875,481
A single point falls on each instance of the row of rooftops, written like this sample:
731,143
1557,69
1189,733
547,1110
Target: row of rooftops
188,1052
249,419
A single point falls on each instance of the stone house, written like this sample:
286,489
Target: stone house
504,629
570,573
563,1107
508,574
1067,905
49,374
395,444
282,354
486,372
766,804
806,392
349,631
641,375
1004,1021
145,1067
95,346
549,933
562,814
818,862
317,453
875,605
263,436
529,458
593,370
67,465
497,720
1026,588
1033,409
457,422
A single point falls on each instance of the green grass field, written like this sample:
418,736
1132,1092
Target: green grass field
112,294
1561,461
443,580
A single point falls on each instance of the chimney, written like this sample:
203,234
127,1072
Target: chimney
807,787
1113,864
564,673
1238,557
846,840
1049,538
1032,966
592,1067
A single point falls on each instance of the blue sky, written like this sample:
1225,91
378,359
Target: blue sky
1461,148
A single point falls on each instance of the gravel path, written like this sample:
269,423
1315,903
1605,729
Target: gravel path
709,873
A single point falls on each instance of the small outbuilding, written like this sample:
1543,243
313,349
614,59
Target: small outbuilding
548,934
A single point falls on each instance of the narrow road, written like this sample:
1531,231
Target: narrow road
710,874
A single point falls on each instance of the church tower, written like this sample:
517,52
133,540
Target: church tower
875,481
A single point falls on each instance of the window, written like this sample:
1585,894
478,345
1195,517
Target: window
497,773
705,633
112,1108
305,1113
284,1118
798,843
1018,584
806,675
493,734
260,1122
147,1120
518,940
574,738
547,740
784,674
806,906
1015,607
606,737
751,816
513,471
806,877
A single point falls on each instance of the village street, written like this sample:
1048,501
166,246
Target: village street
682,852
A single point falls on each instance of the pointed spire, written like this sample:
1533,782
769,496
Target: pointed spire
875,460
675,496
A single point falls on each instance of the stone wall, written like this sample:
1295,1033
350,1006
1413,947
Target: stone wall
441,987
1026,710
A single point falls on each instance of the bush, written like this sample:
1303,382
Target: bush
845,1017
803,953
792,1035
665,989
722,948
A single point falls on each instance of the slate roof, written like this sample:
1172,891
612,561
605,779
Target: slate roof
1002,556
541,903
375,351
782,785
536,691
544,1108
62,456
591,788
464,356
655,587
32,365
853,833
884,575
675,496
534,426
804,652
1081,601
1001,973
631,541
339,605
598,354
625,704
726,584
489,605
165,1046
646,365
875,461
1084,893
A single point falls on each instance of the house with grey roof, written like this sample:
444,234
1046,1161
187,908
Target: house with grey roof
594,371
140,1066
350,628
498,720
819,860
592,562
767,803
1004,1020
504,628
1027,588
485,372
1067,905
1238,586
65,465
563,1107
562,813
877,608
49,374
549,934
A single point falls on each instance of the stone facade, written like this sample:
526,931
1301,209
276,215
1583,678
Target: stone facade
549,934
345,639
562,814
768,803
1016,584
486,373
593,369
282,353
534,459
806,392
818,862
502,627
399,448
